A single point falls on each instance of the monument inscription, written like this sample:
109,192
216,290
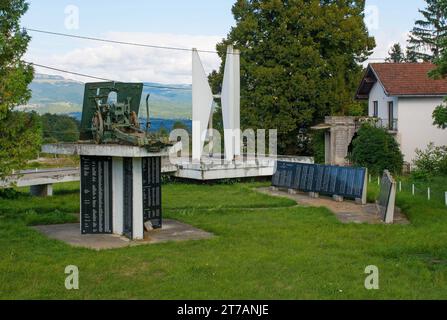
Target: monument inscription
96,195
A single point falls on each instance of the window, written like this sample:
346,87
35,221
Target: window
376,109
390,115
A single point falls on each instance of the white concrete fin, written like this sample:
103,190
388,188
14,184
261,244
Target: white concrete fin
202,103
227,98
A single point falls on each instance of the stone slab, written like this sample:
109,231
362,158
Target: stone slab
172,231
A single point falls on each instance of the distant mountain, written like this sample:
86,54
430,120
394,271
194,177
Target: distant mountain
55,94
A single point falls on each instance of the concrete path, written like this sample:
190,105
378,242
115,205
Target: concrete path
346,211
172,231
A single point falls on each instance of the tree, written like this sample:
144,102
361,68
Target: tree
20,134
428,32
299,63
59,128
180,125
395,54
377,150
410,56
440,72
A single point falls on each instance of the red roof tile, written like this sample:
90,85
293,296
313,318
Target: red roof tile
409,79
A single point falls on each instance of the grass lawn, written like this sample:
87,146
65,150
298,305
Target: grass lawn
265,248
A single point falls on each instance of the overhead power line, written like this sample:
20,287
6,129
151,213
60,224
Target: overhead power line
117,42
101,78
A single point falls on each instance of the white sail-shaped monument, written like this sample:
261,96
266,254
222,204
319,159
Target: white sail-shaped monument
202,103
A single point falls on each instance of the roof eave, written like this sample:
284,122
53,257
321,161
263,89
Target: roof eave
402,95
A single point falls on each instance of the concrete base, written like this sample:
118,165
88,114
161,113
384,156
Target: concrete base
314,195
216,169
292,191
45,190
172,231
337,198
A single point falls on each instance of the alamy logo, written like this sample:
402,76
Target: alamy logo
72,281
71,17
372,280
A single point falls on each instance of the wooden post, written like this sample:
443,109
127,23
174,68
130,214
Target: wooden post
428,194
400,186
412,189
446,198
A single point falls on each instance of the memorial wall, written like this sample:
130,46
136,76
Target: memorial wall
347,182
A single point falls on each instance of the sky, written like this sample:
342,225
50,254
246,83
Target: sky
178,23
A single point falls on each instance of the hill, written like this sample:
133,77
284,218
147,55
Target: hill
56,94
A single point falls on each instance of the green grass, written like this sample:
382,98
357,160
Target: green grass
264,248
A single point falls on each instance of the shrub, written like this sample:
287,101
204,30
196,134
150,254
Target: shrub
377,150
430,162
318,147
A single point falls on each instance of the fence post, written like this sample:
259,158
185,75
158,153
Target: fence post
378,180
446,198
400,186
428,194
412,189
370,178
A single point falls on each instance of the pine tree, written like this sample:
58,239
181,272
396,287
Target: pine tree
299,63
428,32
410,56
395,54
20,133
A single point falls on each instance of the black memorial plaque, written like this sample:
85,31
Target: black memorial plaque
152,210
96,195
128,197
329,180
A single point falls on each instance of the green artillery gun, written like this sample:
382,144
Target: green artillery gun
105,121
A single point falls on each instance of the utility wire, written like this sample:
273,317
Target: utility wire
100,78
117,42
132,43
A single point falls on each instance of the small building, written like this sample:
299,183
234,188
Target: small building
403,97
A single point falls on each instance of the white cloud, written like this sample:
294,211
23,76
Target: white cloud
385,40
132,63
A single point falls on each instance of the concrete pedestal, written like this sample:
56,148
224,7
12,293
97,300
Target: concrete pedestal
120,188
44,190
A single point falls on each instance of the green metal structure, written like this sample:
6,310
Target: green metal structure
110,115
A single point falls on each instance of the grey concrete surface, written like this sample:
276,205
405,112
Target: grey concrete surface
346,211
172,231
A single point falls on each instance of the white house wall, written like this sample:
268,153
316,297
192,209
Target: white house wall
416,125
378,94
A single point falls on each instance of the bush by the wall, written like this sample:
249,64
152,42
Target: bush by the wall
430,162
377,150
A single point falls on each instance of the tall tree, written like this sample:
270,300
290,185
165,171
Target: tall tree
428,32
299,63
440,72
396,55
20,133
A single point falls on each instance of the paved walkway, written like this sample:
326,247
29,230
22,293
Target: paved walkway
346,211
172,231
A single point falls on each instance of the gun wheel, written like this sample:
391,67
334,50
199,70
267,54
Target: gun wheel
97,127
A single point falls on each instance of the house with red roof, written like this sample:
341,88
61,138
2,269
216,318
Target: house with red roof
403,97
